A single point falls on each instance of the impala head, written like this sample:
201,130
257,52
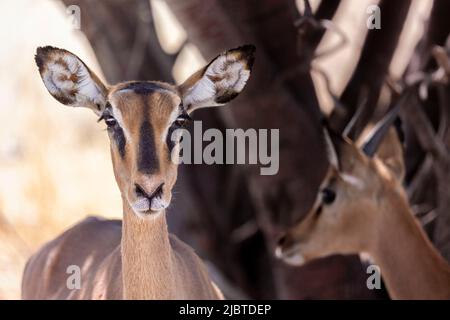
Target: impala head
350,196
140,116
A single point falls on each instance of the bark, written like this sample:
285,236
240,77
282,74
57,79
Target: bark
231,214
373,66
123,37
427,172
270,202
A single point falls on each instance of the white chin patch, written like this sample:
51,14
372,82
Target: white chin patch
144,209
158,204
141,205
294,260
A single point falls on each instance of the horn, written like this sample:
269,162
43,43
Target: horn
351,124
330,146
379,131
308,10
331,150
362,102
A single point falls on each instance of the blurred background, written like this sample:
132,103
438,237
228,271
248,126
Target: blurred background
55,167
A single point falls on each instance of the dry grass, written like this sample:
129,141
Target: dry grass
55,166
54,161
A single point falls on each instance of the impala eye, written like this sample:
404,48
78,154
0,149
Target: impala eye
110,121
182,120
328,196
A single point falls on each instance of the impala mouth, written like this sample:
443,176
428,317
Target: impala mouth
291,256
143,207
149,204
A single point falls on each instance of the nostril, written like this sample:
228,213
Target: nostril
140,192
158,191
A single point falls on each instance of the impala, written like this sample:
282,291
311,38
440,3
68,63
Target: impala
136,258
361,207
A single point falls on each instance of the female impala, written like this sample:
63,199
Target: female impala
138,258
362,207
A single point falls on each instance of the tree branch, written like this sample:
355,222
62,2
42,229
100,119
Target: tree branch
373,65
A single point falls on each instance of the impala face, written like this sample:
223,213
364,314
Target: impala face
142,115
348,200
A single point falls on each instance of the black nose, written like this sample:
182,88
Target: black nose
140,192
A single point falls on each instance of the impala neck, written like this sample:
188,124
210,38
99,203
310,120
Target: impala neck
410,266
147,265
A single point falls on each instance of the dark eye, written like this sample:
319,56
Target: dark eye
182,120
110,121
328,196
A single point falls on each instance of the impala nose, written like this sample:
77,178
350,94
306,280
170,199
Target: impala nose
140,192
149,201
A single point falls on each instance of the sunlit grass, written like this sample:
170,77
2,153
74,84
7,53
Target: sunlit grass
55,166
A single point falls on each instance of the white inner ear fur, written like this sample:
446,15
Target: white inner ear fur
201,94
353,180
57,80
233,71
232,75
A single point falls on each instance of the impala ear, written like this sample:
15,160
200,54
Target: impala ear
331,147
220,81
340,151
69,80
384,141
390,152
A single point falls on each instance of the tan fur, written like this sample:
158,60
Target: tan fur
374,218
136,259
156,264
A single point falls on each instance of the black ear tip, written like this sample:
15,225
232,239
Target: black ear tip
246,52
38,60
248,48
42,53
46,50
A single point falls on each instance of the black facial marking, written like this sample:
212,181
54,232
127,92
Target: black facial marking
169,142
147,159
114,129
120,140
142,87
182,120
